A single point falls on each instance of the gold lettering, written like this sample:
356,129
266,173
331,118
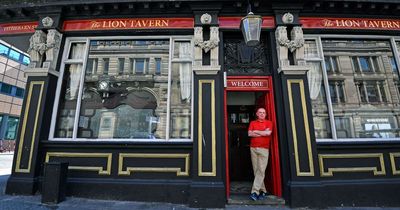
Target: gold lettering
384,24
151,23
376,24
145,23
355,23
396,24
165,23
158,23
348,23
122,23
138,24
106,24
339,23
389,24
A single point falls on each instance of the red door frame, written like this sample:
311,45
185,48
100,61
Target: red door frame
274,164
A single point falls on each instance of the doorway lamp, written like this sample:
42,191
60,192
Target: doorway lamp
251,28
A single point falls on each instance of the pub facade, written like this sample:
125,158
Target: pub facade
151,100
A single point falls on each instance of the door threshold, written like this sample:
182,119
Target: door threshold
244,199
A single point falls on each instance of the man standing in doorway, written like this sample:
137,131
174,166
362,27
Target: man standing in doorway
260,132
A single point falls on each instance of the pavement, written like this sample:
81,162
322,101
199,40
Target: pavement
8,202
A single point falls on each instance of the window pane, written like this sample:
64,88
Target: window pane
26,60
328,64
129,107
158,66
14,54
310,49
355,64
139,66
6,88
68,100
3,50
393,63
365,65
318,101
11,128
19,92
180,100
369,103
77,51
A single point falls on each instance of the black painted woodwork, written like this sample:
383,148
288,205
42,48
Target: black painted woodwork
54,182
343,188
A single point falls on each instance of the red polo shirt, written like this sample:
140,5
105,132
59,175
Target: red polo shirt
262,141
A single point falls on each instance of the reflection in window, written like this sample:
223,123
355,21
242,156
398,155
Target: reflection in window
69,92
393,63
362,105
11,128
158,65
3,50
132,106
331,64
372,91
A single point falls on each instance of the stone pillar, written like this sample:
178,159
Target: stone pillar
37,106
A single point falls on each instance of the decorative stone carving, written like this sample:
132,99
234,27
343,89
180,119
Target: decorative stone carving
42,46
52,48
287,18
281,47
210,46
206,19
297,44
47,22
37,47
294,45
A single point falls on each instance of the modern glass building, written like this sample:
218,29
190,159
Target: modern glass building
13,62
151,100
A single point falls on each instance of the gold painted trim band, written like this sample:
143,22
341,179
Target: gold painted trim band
99,169
18,168
213,171
306,128
393,156
330,171
130,170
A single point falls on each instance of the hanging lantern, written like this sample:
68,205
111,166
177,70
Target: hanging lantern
251,29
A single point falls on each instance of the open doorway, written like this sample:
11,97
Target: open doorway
241,104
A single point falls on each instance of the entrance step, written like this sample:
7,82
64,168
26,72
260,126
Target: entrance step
244,199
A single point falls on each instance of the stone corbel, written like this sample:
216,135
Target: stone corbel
44,49
285,45
211,45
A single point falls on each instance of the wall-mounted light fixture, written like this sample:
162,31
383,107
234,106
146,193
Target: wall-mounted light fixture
251,28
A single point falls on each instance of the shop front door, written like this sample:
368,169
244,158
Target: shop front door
242,98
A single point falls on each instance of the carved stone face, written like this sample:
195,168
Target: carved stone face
47,22
287,18
205,18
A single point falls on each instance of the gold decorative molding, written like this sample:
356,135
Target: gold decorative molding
130,170
374,169
99,169
18,168
306,128
213,171
393,156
